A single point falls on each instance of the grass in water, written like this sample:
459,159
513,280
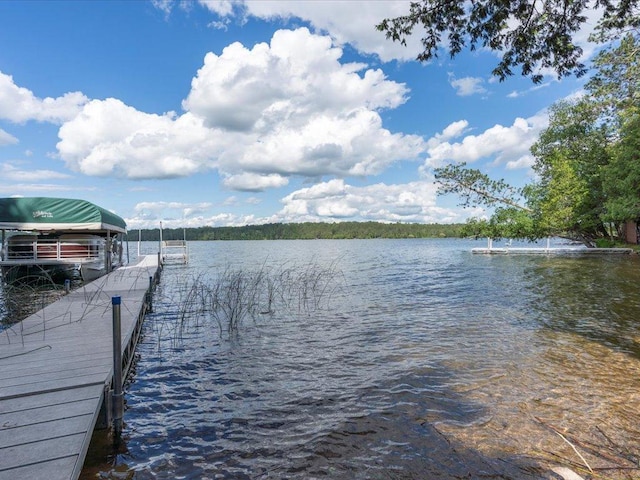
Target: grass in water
233,296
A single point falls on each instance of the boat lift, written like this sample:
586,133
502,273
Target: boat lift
174,251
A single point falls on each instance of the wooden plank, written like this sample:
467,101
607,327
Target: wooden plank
38,452
64,363
56,375
53,429
48,470
67,332
26,357
44,414
70,333
21,404
62,314
47,385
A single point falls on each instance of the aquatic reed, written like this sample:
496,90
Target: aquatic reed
18,300
232,296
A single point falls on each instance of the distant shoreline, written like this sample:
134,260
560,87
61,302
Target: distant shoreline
307,231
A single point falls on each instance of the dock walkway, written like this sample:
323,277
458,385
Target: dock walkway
55,367
552,251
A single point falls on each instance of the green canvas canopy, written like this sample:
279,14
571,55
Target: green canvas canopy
60,214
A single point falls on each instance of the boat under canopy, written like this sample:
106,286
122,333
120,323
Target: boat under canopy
58,237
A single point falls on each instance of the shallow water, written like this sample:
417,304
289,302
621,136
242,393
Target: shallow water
19,300
419,360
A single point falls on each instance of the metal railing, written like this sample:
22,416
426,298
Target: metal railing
54,249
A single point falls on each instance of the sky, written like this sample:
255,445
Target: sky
228,113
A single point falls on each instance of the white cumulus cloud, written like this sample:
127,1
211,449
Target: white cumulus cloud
258,116
19,105
147,212
451,131
524,161
109,138
500,143
254,182
352,22
28,189
9,171
346,22
467,86
297,76
337,200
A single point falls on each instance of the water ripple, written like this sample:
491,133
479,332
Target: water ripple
428,362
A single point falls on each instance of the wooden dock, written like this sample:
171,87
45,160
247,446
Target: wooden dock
55,367
552,251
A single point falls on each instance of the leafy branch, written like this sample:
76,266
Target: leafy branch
532,34
476,188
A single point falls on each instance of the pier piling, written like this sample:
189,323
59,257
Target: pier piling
118,400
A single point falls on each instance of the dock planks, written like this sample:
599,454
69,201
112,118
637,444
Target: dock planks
54,369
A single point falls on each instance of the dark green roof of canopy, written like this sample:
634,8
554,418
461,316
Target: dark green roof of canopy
60,214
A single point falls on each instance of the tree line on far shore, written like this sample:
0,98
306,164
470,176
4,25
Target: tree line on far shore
308,231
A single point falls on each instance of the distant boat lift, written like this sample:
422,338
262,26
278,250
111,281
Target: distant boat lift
174,251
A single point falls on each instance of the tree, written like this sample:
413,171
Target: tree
567,197
532,34
587,161
559,206
570,156
615,84
506,222
511,218
621,179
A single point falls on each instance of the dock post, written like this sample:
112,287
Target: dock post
150,295
118,400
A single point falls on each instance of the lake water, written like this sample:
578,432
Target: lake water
386,359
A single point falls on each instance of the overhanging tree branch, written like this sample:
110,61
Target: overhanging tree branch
531,34
476,188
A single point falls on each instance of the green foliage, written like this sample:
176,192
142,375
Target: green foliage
607,243
622,175
615,88
565,192
475,188
615,85
512,222
587,163
476,227
570,155
529,34
506,222
619,19
309,230
511,219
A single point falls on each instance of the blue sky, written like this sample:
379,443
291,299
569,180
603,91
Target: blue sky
232,113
